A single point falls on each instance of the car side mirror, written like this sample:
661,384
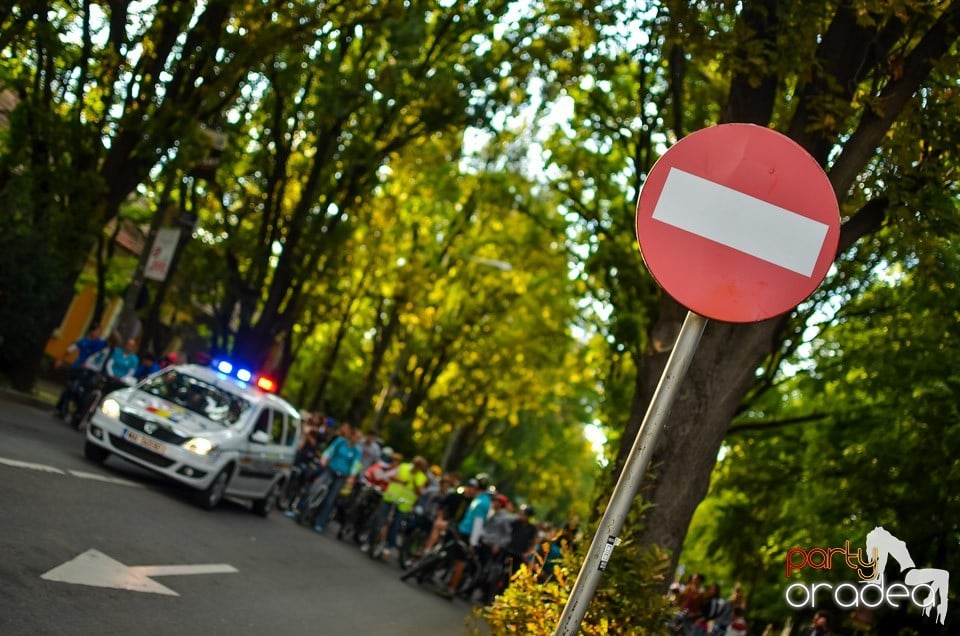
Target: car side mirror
259,437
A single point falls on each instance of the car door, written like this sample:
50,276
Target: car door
258,461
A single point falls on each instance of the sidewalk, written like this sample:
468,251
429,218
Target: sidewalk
44,394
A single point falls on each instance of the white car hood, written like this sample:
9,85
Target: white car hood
179,419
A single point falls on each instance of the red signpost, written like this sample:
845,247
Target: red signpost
737,223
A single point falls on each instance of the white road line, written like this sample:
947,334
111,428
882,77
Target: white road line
16,463
740,221
110,480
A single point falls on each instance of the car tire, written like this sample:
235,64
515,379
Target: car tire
264,506
96,454
212,495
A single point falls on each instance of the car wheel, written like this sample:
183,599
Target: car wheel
212,494
264,506
94,453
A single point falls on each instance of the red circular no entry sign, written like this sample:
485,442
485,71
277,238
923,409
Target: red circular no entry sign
738,223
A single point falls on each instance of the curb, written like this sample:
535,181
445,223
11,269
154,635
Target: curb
29,399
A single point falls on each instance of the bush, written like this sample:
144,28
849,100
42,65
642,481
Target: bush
629,599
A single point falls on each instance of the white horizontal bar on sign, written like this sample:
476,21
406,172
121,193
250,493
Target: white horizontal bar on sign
740,221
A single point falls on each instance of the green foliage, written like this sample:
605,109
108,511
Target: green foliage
627,601
873,443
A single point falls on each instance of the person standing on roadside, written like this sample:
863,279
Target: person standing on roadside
83,348
820,625
370,450
122,365
341,464
470,528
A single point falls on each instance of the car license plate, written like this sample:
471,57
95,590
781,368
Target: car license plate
146,442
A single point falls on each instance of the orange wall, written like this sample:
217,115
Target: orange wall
76,322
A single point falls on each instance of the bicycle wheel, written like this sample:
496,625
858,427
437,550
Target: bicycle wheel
83,415
472,573
411,545
365,518
424,568
351,518
289,491
318,492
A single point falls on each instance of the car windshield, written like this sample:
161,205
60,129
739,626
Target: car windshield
198,396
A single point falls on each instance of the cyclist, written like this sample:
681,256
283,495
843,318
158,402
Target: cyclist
339,466
370,450
148,365
398,499
470,527
380,474
108,369
451,507
523,538
427,508
121,366
366,496
307,451
491,550
83,348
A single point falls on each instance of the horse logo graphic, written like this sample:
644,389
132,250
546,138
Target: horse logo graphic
884,546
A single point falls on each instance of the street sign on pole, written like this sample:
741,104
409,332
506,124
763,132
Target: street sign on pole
161,253
737,223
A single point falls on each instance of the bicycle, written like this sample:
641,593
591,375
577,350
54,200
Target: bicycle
379,532
412,537
308,506
436,565
357,515
95,387
295,484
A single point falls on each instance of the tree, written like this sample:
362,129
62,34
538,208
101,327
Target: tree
317,131
846,81
105,93
863,420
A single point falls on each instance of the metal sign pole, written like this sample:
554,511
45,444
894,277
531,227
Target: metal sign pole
636,464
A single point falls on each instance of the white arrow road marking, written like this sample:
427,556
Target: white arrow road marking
740,221
96,569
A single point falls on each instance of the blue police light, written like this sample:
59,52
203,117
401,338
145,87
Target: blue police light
246,376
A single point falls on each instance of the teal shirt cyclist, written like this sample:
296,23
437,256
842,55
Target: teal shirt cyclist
471,526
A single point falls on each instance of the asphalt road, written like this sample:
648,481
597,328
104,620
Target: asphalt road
69,527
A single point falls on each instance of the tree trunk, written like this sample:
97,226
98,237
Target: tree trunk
721,372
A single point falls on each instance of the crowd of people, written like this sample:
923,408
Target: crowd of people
411,496
94,359
365,485
702,611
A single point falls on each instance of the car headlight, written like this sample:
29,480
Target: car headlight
201,446
110,408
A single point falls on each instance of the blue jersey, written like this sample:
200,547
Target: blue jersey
86,347
479,509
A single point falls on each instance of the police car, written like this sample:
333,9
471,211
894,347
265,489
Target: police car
219,430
